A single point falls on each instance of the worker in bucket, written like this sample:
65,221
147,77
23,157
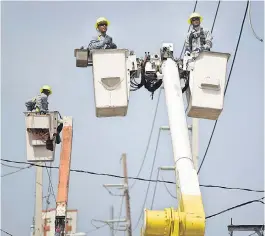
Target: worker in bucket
102,41
39,104
198,39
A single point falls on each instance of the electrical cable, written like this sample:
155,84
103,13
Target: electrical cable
149,139
234,207
147,190
50,188
134,178
16,167
96,228
153,199
6,232
50,180
14,172
115,232
216,12
188,30
168,189
250,23
229,76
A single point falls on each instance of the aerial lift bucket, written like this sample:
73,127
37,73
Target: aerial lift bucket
41,130
206,85
111,82
112,70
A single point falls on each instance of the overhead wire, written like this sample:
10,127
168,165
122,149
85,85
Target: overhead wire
215,16
50,180
16,167
50,192
134,178
234,207
154,194
6,232
250,23
115,232
149,139
151,173
229,76
195,5
168,189
14,172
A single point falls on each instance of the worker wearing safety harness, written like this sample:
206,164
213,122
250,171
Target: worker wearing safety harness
40,103
198,39
102,41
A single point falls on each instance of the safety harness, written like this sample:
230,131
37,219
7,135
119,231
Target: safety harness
195,36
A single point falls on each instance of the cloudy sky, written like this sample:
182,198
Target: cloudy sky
38,40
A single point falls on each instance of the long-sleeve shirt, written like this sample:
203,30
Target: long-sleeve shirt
99,42
38,103
198,38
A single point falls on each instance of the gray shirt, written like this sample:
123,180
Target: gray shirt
99,42
196,41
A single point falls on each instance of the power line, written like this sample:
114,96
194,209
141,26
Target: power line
149,139
234,207
250,23
151,173
14,172
6,232
216,12
153,200
16,167
168,189
50,181
188,30
140,179
115,231
229,76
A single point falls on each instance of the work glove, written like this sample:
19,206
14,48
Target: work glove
108,40
205,48
113,46
187,53
197,50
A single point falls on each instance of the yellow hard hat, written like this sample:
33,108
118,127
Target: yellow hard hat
101,19
46,87
194,14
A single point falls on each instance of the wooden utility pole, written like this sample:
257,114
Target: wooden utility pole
112,218
126,194
38,202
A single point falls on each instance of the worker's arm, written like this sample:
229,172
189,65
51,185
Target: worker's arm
187,43
208,38
42,103
30,104
99,44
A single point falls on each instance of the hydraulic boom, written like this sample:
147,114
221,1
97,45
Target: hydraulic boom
64,175
189,218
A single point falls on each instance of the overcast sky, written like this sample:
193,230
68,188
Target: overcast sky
38,41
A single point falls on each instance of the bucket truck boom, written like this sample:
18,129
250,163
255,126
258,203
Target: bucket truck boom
64,175
189,218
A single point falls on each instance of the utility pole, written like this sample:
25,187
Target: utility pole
126,194
38,201
124,187
112,218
